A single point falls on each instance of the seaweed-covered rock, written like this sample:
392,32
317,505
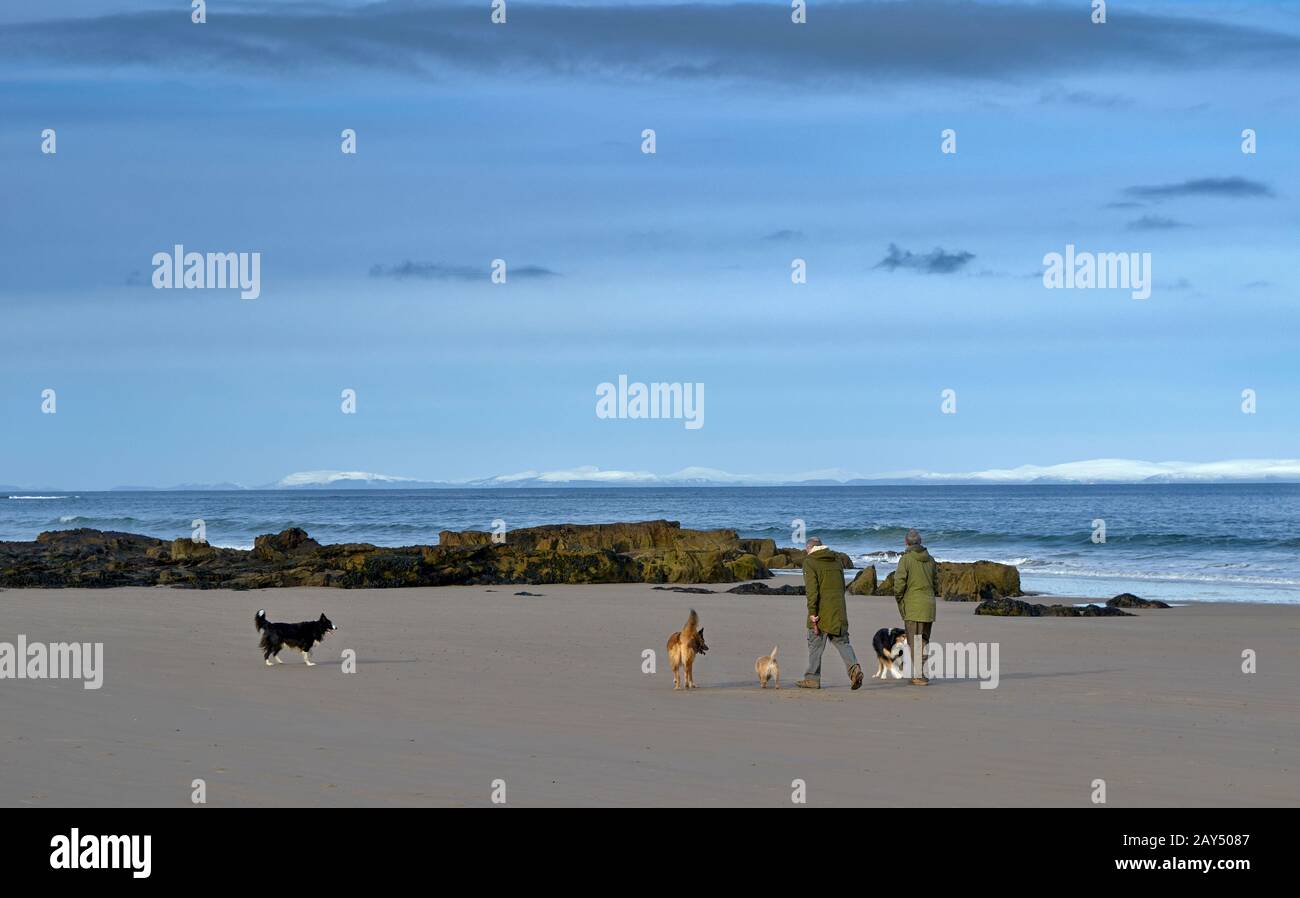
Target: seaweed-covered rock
762,589
1008,607
1085,611
969,581
864,584
286,543
1128,600
747,567
644,551
762,548
647,551
628,538
186,549
794,558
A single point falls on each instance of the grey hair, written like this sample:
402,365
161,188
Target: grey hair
913,538
813,541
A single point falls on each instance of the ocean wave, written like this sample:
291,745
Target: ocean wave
871,534
891,557
1167,577
1013,562
1059,569
91,519
44,497
350,528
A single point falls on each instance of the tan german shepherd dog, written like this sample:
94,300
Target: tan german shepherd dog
683,646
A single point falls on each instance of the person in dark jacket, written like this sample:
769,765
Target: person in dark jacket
828,619
916,583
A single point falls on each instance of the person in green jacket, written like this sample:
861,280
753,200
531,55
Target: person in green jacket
828,619
916,583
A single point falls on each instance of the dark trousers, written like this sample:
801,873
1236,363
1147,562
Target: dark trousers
918,630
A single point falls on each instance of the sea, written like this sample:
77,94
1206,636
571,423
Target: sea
1177,542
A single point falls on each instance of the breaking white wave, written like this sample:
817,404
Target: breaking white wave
1166,577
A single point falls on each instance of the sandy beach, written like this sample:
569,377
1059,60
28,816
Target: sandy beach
459,686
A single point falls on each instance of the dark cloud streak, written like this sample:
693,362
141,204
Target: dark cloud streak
851,42
1235,188
937,261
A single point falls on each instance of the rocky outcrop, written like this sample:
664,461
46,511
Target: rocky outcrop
643,552
291,543
1006,607
973,581
629,538
793,558
864,584
1128,600
662,551
648,551
762,589
764,549
670,554
189,550
83,558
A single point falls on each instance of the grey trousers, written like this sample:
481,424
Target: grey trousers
817,645
918,630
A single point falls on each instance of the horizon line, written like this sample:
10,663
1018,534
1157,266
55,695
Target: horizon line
1102,471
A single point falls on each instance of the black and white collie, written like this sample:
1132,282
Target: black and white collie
295,636
889,645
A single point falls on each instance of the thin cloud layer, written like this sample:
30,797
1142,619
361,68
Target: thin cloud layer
1155,223
436,271
784,235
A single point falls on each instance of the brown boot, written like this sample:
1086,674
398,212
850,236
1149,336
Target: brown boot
809,684
855,675
920,681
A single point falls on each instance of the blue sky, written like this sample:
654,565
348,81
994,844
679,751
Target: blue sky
523,141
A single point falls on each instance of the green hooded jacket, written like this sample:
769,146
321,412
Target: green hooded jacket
916,582
823,580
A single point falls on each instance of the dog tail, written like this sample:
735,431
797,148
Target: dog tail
773,655
692,624
259,620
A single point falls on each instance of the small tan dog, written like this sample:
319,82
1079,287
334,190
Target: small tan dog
767,669
683,646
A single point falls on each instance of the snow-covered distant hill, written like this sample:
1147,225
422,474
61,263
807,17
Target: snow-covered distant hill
1093,471
1104,470
1123,470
